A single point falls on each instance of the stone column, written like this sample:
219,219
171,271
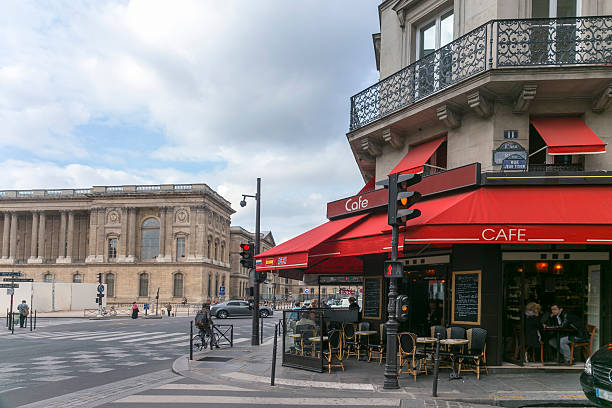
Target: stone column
61,255
191,241
131,235
34,245
123,237
101,236
41,236
169,233
5,235
93,234
70,243
13,238
162,234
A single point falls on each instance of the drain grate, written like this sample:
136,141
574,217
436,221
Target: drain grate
215,359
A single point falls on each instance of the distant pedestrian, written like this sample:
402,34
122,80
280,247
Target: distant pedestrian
24,311
184,301
135,311
169,309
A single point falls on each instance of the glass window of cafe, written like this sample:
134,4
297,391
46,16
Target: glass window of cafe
531,289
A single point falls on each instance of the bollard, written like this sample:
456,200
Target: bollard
191,340
274,355
30,321
7,318
12,322
261,331
232,336
436,366
35,320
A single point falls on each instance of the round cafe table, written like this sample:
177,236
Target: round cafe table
361,334
454,342
426,340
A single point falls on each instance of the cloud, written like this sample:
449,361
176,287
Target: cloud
246,89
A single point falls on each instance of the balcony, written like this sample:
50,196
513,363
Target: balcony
498,44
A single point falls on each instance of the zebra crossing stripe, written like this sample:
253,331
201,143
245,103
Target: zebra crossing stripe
149,337
289,401
130,335
180,337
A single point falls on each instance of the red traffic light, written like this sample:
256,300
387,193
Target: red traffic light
245,247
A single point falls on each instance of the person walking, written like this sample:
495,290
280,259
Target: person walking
135,311
24,311
169,309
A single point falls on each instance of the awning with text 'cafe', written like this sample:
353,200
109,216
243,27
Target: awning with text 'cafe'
295,253
489,215
569,135
417,156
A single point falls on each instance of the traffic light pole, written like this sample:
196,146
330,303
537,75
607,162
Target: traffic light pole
392,324
255,326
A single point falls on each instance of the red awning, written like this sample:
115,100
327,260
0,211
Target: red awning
370,186
490,215
294,254
568,136
417,156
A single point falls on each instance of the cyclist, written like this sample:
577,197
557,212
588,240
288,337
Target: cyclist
203,321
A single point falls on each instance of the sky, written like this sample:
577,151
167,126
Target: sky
220,92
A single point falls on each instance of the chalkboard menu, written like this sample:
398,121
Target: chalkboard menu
466,297
372,298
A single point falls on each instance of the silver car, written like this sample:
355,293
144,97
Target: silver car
237,308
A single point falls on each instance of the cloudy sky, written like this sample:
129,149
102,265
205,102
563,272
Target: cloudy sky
221,92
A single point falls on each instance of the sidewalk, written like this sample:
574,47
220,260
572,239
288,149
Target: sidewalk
503,386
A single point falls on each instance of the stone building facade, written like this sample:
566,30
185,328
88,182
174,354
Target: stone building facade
174,238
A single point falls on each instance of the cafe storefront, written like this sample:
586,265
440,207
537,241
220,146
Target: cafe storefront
485,247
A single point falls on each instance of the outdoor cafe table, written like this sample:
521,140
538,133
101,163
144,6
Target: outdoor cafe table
454,342
556,330
361,334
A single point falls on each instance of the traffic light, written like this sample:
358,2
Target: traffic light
260,276
393,269
400,199
246,255
402,308
99,277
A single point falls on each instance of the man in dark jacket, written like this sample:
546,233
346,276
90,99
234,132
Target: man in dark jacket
560,318
203,321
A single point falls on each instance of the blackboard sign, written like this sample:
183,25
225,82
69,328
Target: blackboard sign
466,297
372,298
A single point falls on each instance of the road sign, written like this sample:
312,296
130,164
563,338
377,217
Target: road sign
146,306
8,285
10,291
221,290
18,280
100,288
306,291
10,273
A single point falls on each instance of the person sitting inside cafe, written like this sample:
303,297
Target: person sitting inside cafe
353,304
560,318
434,316
307,319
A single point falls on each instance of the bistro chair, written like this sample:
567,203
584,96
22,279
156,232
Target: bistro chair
587,346
333,356
349,340
438,330
408,355
364,326
476,353
306,331
377,350
455,332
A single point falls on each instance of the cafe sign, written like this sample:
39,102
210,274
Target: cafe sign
507,149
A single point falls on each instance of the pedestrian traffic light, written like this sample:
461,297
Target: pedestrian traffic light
402,308
393,269
246,255
400,199
99,277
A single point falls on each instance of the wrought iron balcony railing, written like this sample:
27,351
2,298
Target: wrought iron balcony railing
496,44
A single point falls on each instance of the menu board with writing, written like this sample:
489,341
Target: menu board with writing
372,298
466,297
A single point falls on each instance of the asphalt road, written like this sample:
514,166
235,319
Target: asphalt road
95,359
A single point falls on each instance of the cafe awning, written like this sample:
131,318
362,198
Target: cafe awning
489,215
417,156
295,253
568,135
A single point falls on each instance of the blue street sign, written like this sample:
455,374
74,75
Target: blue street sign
146,306
10,273
100,288
221,290
306,291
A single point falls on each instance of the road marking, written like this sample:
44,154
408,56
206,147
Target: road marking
301,383
180,337
149,338
131,335
202,387
210,399
10,389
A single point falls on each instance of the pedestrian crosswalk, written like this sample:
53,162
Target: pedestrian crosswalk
116,336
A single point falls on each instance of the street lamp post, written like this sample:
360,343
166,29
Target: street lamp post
255,326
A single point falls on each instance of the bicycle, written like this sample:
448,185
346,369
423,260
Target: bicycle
109,312
202,340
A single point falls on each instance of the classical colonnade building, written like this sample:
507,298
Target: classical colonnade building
172,237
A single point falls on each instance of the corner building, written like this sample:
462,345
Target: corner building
172,237
503,106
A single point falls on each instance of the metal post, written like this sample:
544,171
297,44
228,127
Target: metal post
261,331
30,319
12,319
35,312
274,355
191,340
436,366
255,326
157,303
232,336
392,324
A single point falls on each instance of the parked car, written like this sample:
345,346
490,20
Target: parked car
596,380
306,304
237,308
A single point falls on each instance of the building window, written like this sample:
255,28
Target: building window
209,252
180,247
555,8
210,281
150,239
177,290
143,285
222,252
216,286
110,285
216,251
48,277
112,248
435,34
77,278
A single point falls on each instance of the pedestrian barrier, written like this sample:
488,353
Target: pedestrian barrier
223,331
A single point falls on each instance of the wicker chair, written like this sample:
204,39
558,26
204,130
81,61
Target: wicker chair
333,356
377,350
409,355
476,354
349,340
587,346
306,331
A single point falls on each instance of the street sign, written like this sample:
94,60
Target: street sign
9,285
18,280
100,288
306,291
10,273
221,290
10,291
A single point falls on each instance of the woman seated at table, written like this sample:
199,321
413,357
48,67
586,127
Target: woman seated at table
532,328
